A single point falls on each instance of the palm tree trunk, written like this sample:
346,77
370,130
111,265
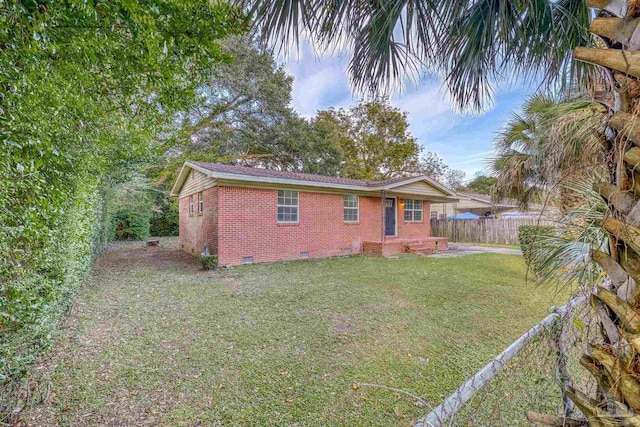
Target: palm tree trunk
615,363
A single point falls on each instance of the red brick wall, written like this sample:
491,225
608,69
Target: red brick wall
414,230
242,222
197,230
248,226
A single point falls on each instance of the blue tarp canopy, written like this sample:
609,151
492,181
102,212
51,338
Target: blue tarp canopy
464,215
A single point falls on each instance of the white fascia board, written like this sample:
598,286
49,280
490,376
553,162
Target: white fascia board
199,169
177,186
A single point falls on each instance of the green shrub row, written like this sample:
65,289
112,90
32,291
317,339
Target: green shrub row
131,225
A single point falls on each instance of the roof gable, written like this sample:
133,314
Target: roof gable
421,187
185,173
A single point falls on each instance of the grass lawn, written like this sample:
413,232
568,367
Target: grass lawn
154,340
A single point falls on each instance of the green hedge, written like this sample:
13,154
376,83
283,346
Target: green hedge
131,224
81,111
53,262
528,235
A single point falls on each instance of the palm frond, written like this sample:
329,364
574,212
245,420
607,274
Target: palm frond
562,256
280,23
474,43
548,142
494,40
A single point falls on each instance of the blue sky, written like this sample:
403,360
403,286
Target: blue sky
463,141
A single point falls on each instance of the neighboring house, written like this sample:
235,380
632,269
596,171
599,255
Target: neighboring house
247,215
478,204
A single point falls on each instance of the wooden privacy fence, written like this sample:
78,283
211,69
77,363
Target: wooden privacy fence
499,231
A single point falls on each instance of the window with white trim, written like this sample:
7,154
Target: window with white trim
192,206
351,208
413,210
287,206
200,203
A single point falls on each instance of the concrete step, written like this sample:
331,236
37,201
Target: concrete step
419,247
422,251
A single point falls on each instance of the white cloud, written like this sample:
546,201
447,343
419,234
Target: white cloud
323,88
319,82
428,109
427,100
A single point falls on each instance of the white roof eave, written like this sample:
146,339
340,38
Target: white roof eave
175,191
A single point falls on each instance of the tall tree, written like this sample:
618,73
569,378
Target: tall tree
245,115
433,165
481,184
238,98
454,179
475,42
374,139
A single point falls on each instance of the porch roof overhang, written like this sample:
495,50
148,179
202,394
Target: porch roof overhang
429,198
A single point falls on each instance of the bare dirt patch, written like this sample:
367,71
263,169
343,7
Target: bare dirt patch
134,255
343,324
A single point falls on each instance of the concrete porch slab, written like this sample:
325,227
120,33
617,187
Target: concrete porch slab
462,249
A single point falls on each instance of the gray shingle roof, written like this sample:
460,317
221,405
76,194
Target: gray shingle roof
267,173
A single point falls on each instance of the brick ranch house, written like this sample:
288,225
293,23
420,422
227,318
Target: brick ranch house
247,215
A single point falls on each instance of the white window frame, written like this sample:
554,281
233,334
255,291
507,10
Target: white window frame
285,205
192,206
412,210
200,203
346,208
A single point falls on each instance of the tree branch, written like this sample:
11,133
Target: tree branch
553,421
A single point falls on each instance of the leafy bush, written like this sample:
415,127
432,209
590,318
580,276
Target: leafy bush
164,226
164,221
528,235
81,111
209,262
131,225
